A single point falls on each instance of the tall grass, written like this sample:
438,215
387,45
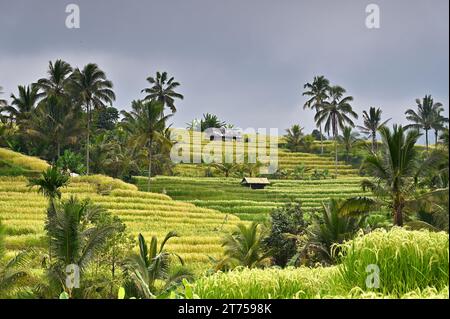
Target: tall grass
413,264
407,260
271,283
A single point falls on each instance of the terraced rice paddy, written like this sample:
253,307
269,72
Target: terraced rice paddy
232,151
286,161
23,212
228,196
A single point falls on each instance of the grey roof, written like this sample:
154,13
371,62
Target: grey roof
255,180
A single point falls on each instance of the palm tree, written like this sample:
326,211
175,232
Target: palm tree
423,118
2,102
438,122
336,114
348,139
210,121
146,123
372,123
123,158
93,90
249,169
244,247
58,78
226,168
50,183
318,93
75,238
444,137
14,269
163,90
56,123
339,221
23,105
300,171
394,169
294,138
152,264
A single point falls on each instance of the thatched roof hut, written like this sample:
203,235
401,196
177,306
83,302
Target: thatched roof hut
255,182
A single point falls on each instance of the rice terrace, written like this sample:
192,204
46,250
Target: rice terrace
142,190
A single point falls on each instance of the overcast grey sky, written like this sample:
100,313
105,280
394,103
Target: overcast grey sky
245,61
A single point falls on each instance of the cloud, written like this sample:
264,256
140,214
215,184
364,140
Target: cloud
245,61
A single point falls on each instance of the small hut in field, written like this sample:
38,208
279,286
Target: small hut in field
255,182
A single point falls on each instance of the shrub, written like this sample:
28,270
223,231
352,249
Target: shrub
72,162
285,220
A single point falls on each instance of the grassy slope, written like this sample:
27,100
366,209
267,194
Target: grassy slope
15,164
23,211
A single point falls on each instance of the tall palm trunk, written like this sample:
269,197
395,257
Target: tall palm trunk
374,140
149,165
435,138
336,153
51,213
426,138
87,136
335,133
398,213
319,102
58,150
321,139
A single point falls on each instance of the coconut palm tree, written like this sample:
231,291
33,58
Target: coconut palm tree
93,90
2,102
75,238
123,159
423,118
336,114
163,89
394,169
146,123
151,264
58,78
294,138
444,137
56,123
438,122
49,184
348,139
318,93
244,247
372,122
23,105
3,118
12,270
